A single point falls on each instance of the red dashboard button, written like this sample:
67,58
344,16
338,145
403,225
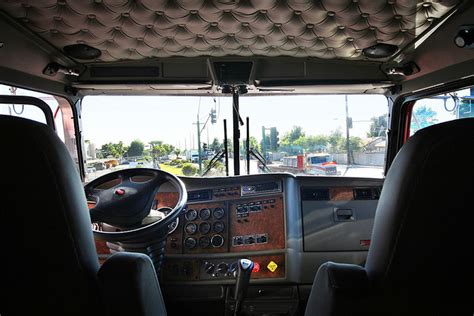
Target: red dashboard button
120,192
256,267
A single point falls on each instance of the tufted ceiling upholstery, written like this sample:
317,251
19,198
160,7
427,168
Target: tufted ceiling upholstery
138,29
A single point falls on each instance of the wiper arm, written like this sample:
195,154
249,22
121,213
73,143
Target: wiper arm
212,163
257,155
219,155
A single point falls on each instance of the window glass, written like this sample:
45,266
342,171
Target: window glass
60,108
442,108
30,111
300,134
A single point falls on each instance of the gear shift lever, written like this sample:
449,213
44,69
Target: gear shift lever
244,270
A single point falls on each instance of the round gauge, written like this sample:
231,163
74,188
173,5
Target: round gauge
218,227
191,214
218,212
204,242
217,241
205,213
204,227
173,225
190,228
190,242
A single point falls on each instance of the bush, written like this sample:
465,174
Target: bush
189,169
219,166
176,162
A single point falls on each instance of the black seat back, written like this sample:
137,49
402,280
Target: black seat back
419,260
48,254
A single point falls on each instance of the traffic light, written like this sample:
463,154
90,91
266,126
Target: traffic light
213,116
274,140
204,146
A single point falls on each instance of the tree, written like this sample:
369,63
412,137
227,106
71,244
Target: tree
177,152
355,143
154,143
378,126
336,140
422,117
290,137
289,142
215,145
253,143
136,148
114,150
157,151
167,148
312,143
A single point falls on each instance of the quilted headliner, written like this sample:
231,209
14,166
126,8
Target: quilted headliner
138,29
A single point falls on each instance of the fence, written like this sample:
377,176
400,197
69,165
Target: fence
361,158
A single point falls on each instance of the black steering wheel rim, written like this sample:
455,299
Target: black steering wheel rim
152,186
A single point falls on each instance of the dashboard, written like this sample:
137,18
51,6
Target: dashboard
288,225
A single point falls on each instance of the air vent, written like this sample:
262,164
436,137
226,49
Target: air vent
315,194
365,194
130,72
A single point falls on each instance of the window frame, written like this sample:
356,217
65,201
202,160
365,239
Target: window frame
72,101
21,99
402,109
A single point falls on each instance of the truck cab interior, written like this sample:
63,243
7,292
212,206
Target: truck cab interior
237,157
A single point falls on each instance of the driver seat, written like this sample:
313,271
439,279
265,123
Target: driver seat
49,262
421,249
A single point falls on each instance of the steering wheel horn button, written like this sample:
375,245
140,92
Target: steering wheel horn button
119,192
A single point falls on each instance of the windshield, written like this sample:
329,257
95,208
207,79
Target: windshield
320,159
327,135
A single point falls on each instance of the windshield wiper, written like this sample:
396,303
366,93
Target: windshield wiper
219,155
257,155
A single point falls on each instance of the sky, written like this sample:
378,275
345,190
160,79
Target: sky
170,118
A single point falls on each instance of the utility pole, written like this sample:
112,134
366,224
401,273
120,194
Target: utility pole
199,144
199,131
347,132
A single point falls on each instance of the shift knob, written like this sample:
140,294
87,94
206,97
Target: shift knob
244,270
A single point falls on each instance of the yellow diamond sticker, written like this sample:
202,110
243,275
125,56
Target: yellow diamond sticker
272,266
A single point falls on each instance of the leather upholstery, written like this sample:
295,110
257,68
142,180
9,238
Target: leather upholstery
132,30
49,261
146,297
49,252
416,260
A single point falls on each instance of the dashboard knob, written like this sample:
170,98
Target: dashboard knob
209,267
222,268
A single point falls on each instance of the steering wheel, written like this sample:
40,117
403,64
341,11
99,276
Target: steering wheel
124,200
